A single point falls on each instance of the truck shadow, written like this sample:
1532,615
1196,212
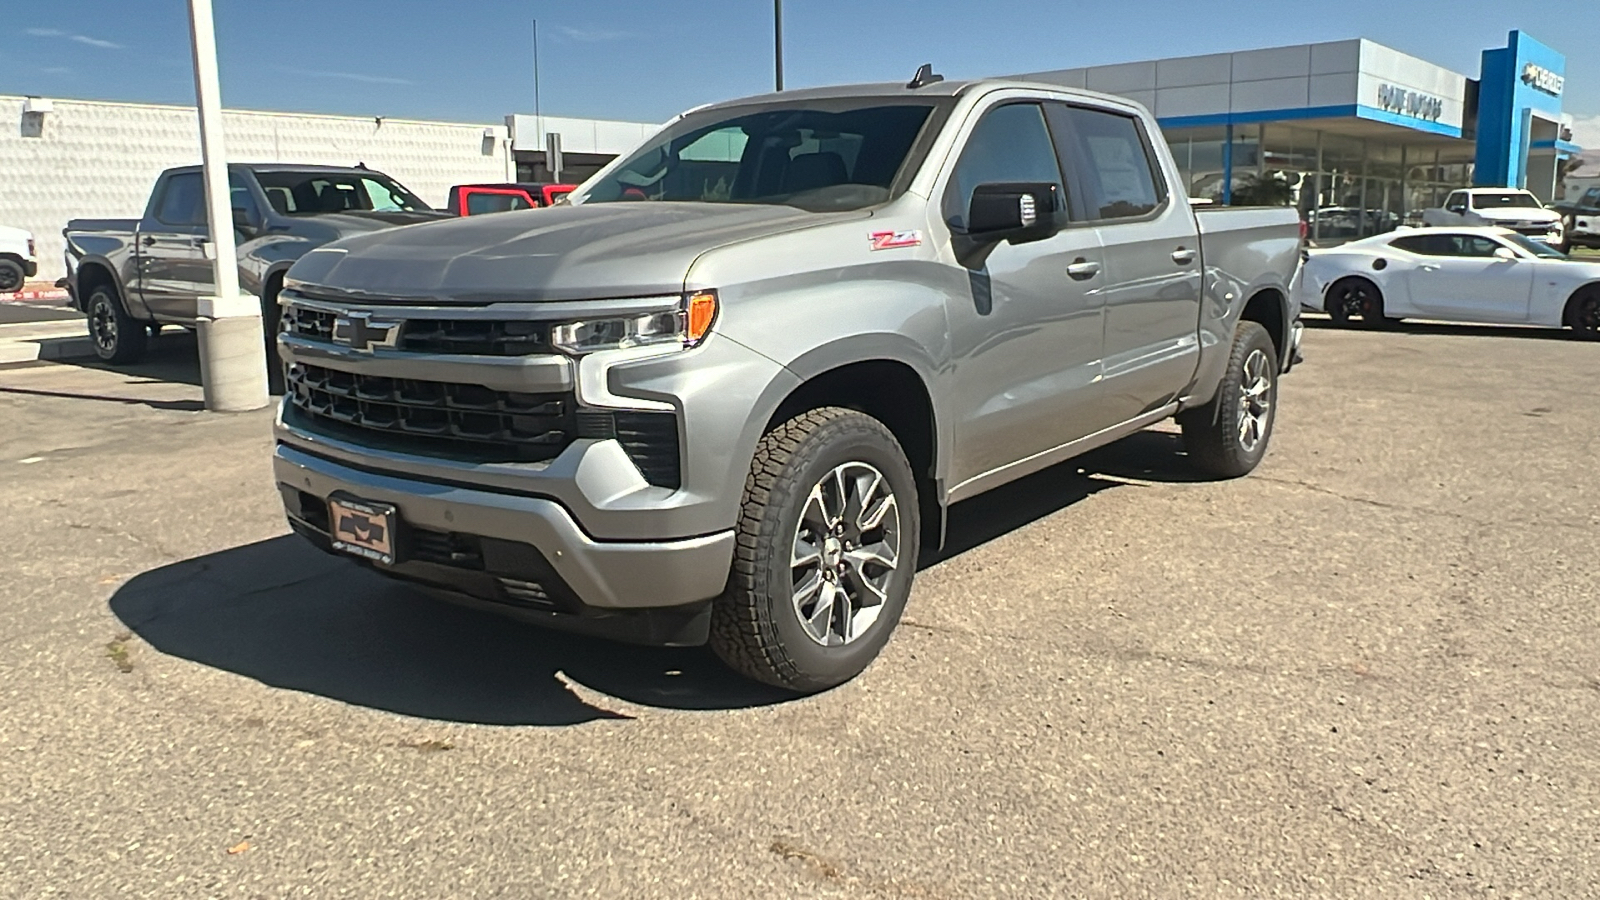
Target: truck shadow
289,616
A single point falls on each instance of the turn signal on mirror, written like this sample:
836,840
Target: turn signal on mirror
700,311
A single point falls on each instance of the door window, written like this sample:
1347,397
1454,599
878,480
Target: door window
183,202
1010,143
480,202
1117,177
1468,246
1456,203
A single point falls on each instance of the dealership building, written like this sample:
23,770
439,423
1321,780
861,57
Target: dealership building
1359,136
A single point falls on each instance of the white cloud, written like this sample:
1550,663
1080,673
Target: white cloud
590,35
79,38
348,76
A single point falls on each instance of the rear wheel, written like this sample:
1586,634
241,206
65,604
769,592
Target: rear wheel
1583,313
826,550
117,336
11,276
1356,298
1227,437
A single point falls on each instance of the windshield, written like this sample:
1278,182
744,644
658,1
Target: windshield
823,155
1541,250
1509,199
310,193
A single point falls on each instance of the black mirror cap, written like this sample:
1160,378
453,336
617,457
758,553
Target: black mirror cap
1015,210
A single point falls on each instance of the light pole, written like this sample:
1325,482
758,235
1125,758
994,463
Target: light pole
233,361
777,40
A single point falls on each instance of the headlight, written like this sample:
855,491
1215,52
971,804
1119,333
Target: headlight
686,325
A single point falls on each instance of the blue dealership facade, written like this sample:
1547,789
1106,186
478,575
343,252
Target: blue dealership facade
1360,136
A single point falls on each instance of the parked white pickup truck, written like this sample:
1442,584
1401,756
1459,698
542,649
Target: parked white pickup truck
1517,210
17,260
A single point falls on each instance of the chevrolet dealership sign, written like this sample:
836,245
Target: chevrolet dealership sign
1541,79
1410,103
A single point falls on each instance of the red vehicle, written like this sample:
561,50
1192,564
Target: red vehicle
477,199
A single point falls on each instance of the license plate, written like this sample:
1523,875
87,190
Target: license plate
363,528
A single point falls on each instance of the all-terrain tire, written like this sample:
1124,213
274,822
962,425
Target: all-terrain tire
756,626
117,337
1221,443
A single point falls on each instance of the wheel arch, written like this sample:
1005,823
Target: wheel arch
1269,308
95,272
896,393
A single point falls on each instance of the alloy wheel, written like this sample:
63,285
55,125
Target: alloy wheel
1255,400
103,327
846,550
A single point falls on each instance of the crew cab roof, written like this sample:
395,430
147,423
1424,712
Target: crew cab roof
286,167
898,90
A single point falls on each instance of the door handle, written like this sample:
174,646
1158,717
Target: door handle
1428,267
148,241
1183,256
1082,269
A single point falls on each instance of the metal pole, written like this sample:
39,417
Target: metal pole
777,41
233,362
536,75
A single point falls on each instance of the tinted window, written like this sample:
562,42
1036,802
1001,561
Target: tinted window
1010,143
307,193
825,155
1507,200
184,201
479,202
1456,202
1118,177
1423,244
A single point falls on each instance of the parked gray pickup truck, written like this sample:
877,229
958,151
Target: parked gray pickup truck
731,392
130,275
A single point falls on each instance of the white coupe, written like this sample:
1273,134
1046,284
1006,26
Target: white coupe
1461,274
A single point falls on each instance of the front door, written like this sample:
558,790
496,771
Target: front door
1152,253
1460,278
1026,329
172,248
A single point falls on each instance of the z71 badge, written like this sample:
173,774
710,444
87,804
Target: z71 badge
890,240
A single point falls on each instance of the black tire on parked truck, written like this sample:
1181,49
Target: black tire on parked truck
117,337
826,547
12,275
1227,437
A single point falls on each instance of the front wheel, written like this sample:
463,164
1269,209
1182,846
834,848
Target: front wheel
1583,314
1227,437
826,549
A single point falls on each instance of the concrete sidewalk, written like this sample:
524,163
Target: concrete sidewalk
54,339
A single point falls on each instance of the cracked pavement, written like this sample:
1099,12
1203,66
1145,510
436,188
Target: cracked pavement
1370,669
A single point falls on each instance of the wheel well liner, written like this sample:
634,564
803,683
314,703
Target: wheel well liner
93,275
1266,309
893,393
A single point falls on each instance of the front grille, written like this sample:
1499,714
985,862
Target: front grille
475,337
435,417
307,323
1532,230
650,439
446,548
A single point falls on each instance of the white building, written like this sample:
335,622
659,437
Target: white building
68,159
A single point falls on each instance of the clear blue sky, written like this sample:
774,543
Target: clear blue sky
471,60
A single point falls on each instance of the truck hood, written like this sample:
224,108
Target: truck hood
357,222
595,251
1517,214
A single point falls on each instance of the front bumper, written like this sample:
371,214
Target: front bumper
524,556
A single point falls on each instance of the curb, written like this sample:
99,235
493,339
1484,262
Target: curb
43,342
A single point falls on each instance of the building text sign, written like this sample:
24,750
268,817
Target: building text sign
1407,102
1541,79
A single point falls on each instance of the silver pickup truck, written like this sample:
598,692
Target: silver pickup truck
730,392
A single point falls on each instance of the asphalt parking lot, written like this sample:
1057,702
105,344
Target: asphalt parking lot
1370,669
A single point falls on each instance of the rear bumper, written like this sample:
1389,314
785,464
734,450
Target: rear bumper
1294,357
524,556
30,267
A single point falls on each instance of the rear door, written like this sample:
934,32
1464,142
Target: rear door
1151,245
1460,278
171,246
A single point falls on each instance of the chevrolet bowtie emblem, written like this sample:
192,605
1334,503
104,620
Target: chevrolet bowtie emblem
361,332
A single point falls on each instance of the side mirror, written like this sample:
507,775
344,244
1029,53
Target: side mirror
243,221
1505,253
1017,211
